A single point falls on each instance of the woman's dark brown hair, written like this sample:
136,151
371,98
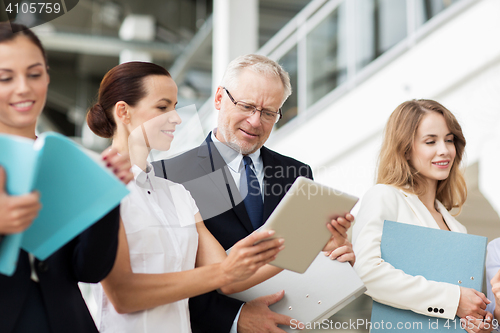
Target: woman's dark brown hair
10,31
123,83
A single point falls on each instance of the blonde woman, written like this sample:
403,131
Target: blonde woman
418,182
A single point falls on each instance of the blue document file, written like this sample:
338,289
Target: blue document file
75,192
17,158
437,255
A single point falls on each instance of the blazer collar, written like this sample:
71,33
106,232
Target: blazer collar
448,218
425,217
274,186
212,162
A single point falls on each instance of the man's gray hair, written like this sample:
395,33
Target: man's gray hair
259,64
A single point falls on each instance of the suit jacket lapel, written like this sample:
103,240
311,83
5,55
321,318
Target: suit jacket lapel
205,164
449,219
426,218
274,186
231,193
421,212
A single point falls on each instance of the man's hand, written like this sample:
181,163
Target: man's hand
255,316
338,228
16,212
343,253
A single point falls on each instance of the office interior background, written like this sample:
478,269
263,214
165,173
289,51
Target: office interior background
351,63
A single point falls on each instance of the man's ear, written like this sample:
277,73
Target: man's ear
122,112
218,98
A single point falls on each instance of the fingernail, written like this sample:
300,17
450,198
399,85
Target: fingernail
108,164
104,158
282,240
281,247
122,177
270,232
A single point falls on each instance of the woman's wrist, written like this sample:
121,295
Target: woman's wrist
496,312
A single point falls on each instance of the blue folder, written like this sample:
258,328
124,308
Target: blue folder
75,193
437,255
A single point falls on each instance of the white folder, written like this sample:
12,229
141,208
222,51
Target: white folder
325,288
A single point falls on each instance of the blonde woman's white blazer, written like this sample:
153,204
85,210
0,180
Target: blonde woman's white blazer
384,283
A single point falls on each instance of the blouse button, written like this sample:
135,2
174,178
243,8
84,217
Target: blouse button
149,192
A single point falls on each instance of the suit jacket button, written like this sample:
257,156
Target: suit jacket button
43,267
436,310
441,310
429,309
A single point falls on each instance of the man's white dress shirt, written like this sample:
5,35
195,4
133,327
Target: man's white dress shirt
234,160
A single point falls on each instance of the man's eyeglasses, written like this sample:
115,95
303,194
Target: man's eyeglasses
266,116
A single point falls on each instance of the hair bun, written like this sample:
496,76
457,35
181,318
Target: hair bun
99,122
98,107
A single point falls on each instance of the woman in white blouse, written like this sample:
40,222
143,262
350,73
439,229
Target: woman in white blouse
418,182
162,237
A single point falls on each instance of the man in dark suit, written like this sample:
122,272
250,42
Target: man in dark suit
231,160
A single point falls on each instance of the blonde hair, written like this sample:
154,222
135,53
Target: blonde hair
394,167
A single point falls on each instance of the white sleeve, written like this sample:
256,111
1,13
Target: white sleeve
192,204
384,283
186,207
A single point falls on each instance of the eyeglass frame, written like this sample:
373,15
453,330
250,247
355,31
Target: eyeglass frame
280,113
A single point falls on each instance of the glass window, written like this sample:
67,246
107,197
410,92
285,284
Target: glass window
326,56
290,108
380,24
427,9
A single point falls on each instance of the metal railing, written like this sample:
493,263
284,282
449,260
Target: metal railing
333,45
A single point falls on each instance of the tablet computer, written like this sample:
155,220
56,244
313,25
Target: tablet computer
301,217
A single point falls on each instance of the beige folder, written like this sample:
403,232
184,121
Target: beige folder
301,218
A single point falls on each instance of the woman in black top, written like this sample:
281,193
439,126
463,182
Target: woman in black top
43,296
